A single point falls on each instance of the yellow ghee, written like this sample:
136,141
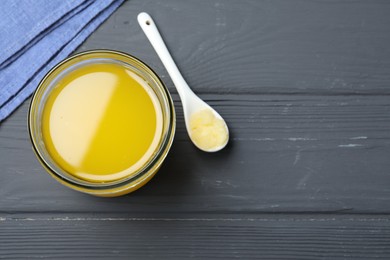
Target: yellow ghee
101,123
207,131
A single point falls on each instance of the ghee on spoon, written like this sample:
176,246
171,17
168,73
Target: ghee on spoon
206,128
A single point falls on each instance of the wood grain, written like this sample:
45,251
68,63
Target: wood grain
269,237
304,86
287,154
267,47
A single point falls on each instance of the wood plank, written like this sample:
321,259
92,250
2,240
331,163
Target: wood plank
178,237
287,154
317,47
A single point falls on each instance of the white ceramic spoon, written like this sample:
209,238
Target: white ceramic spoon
191,102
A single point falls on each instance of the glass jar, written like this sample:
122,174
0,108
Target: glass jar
139,176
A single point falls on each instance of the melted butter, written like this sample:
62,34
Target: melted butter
102,122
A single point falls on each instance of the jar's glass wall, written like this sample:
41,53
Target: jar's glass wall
72,63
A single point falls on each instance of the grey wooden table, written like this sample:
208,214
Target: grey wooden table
305,89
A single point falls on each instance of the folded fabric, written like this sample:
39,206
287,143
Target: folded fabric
36,35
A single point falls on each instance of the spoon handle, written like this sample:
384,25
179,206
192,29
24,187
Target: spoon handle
150,29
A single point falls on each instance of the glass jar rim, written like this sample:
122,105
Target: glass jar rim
144,172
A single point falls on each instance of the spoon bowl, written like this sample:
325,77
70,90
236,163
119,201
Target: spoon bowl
193,105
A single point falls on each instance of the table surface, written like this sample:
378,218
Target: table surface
304,87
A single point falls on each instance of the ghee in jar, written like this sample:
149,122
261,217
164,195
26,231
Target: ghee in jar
101,122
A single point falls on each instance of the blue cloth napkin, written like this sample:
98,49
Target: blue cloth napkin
37,34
